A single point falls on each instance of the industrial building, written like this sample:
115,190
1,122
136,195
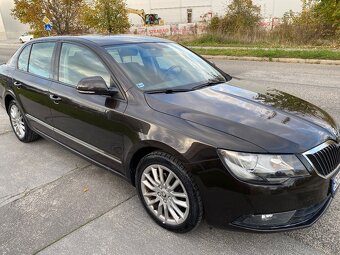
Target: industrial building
187,11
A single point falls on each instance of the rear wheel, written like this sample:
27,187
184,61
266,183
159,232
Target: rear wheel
168,192
19,125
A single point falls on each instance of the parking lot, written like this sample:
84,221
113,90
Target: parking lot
54,202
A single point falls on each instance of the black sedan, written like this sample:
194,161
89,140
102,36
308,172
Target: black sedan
173,125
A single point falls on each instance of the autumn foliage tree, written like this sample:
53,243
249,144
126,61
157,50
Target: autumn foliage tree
327,15
106,16
241,16
64,14
73,16
318,21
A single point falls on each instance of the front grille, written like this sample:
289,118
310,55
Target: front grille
326,160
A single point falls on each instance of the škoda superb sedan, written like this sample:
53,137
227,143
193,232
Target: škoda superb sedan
174,126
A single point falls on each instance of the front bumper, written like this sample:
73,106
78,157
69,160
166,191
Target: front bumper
230,202
296,219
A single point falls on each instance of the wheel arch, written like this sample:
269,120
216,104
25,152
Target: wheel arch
140,151
7,99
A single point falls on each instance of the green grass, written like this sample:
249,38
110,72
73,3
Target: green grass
214,40
256,45
272,53
231,44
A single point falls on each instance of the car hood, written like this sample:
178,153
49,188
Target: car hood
274,120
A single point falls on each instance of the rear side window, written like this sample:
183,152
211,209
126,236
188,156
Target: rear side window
23,58
40,62
77,62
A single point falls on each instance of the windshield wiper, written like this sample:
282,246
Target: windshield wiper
170,91
167,91
208,84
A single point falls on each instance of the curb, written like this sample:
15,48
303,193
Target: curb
260,48
281,60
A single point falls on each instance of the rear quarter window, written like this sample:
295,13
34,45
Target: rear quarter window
23,58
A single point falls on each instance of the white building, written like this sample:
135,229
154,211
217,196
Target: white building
9,27
186,11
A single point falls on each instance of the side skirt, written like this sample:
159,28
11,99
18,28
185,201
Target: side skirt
82,155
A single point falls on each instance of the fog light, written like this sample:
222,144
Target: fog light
266,217
265,220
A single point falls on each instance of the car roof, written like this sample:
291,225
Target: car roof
103,40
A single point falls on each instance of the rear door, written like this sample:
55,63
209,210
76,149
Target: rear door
31,82
90,124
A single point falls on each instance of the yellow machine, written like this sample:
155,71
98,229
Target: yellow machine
148,19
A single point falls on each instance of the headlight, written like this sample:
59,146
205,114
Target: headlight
263,167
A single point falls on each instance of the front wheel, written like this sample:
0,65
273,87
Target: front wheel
19,125
168,192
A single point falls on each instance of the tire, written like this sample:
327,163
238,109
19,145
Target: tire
19,124
163,197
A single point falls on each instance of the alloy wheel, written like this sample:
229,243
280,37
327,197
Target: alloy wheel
17,121
165,194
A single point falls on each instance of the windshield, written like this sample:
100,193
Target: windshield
163,66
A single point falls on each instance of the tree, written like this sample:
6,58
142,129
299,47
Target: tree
214,24
327,14
107,16
64,14
241,15
319,20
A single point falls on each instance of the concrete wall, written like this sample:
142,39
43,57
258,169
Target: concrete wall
174,29
9,27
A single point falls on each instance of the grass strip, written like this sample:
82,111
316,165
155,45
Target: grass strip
271,53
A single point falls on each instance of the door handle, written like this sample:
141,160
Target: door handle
55,99
17,84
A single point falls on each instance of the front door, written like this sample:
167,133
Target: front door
90,124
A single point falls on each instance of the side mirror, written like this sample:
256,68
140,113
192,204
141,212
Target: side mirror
95,85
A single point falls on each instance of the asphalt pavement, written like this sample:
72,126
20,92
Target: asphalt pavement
54,202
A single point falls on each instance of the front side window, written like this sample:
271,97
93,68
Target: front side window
23,58
77,62
40,62
158,66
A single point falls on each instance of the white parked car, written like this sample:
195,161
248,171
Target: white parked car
25,37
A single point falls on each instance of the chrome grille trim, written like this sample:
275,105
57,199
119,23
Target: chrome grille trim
326,157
